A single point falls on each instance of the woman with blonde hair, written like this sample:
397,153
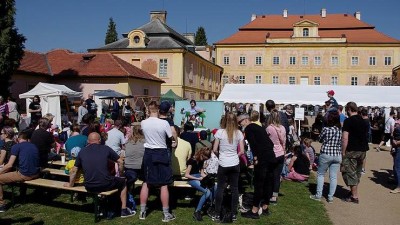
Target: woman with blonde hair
277,134
226,143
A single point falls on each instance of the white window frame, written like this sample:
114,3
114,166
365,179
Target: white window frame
317,60
292,80
226,60
306,32
335,60
334,80
372,61
292,60
242,60
163,68
258,60
388,60
242,79
225,79
354,81
258,79
275,80
317,80
304,60
275,60
354,60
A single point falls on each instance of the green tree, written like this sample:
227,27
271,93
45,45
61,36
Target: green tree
11,46
201,38
111,35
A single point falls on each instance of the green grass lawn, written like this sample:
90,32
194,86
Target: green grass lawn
294,207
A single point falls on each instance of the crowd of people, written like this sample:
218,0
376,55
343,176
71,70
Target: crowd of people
105,154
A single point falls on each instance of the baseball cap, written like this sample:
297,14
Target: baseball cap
330,92
164,107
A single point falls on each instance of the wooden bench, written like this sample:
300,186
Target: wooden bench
177,183
57,172
53,184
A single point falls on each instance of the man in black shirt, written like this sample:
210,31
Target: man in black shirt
93,159
91,105
44,141
264,158
354,147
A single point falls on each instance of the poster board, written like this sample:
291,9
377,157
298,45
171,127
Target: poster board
213,113
298,113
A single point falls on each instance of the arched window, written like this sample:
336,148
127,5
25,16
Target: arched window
306,32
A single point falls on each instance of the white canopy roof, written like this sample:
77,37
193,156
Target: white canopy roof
310,94
46,90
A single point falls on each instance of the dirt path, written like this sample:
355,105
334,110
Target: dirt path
377,205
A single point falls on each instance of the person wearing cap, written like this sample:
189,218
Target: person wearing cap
334,105
156,161
264,160
76,140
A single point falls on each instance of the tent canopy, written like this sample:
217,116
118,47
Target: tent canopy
310,94
170,96
49,98
110,94
46,90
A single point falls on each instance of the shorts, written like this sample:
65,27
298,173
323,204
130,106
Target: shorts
386,137
351,167
116,183
132,175
156,166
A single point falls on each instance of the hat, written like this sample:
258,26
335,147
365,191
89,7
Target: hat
75,151
164,107
330,92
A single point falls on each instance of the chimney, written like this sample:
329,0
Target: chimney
189,36
323,13
357,15
253,17
285,13
161,15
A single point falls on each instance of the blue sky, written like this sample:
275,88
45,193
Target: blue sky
78,25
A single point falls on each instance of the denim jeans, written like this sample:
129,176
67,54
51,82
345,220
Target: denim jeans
333,164
396,166
206,192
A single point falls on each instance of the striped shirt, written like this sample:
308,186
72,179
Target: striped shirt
331,139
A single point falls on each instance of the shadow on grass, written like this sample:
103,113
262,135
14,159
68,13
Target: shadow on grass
23,220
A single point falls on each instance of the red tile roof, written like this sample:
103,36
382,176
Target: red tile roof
333,25
66,63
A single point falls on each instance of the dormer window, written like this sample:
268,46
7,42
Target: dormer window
136,39
306,32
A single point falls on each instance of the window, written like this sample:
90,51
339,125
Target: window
304,60
335,60
275,60
372,61
136,39
306,32
275,80
388,60
334,80
226,60
354,60
292,80
258,79
242,79
163,67
292,60
317,60
354,81
317,80
242,60
202,96
145,91
225,79
258,60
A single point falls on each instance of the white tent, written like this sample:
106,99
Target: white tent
49,98
310,94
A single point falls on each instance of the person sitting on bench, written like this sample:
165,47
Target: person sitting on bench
94,160
25,156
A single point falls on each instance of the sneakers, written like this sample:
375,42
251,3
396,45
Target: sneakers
127,213
249,214
142,215
363,171
351,199
168,217
314,197
266,212
216,218
234,217
2,208
329,200
197,216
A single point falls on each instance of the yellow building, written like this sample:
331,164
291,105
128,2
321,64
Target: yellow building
325,49
161,51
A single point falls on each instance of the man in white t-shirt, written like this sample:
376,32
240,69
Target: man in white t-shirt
156,161
389,128
116,139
